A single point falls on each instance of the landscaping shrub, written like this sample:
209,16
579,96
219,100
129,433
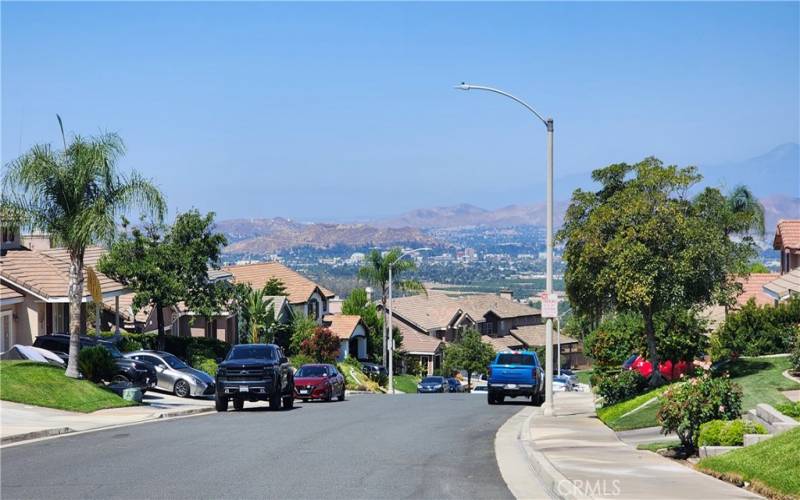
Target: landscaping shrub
322,346
756,331
299,360
620,387
790,409
128,342
96,364
688,405
207,365
614,340
794,359
727,432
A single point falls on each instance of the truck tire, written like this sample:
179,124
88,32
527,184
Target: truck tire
275,400
491,399
220,403
288,402
238,404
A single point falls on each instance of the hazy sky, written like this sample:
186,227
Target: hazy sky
339,111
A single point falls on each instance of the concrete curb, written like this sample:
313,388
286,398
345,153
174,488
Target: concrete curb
791,377
61,431
557,484
25,436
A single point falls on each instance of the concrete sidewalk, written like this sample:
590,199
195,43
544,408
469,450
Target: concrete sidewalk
577,456
19,422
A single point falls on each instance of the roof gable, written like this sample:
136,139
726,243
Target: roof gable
298,288
787,235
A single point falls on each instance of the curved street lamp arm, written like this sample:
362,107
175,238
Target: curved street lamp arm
468,86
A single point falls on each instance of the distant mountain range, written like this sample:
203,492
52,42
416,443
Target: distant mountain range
268,236
774,177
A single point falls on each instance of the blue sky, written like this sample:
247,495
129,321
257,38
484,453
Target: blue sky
344,111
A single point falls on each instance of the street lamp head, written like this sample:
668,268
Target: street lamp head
463,86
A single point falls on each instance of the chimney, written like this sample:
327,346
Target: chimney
506,293
369,293
335,305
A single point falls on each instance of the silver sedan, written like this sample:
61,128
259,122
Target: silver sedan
176,376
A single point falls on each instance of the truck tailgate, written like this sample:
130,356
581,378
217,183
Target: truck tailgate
509,374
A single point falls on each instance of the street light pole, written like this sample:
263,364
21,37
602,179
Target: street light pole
391,332
548,122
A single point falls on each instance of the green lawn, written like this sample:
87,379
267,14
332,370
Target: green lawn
659,445
583,376
771,466
761,380
39,384
406,383
615,416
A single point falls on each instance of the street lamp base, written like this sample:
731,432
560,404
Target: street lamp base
548,410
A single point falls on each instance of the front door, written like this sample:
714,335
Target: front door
6,330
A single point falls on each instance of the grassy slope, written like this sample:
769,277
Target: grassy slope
39,384
658,445
406,383
761,380
356,379
773,464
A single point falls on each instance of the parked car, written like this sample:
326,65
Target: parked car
138,374
374,370
516,374
319,381
668,369
432,384
253,372
562,383
454,385
481,390
573,378
174,375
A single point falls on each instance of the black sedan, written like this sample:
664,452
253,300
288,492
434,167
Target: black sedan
433,384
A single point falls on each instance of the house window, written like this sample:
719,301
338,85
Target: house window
313,309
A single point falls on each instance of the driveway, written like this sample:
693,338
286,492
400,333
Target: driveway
369,446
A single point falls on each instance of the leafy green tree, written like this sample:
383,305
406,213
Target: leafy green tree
76,195
322,346
375,271
303,328
274,287
357,304
168,265
757,267
470,353
640,244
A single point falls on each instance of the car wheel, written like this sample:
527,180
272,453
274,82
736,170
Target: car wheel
182,389
120,379
288,402
341,396
238,404
329,395
275,400
220,402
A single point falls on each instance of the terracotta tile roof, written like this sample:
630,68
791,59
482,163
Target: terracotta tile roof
126,308
784,285
500,344
7,293
418,343
341,325
535,336
298,287
787,235
46,274
479,305
427,312
753,287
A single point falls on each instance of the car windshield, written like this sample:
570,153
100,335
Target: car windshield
432,380
252,351
515,359
175,362
112,349
311,371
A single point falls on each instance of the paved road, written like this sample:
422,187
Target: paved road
370,446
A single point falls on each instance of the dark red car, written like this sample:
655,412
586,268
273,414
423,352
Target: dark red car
318,381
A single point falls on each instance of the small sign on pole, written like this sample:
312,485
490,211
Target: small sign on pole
549,305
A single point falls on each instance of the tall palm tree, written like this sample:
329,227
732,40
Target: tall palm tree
259,312
375,271
747,213
76,195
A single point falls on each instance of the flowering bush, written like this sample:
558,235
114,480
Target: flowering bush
620,387
795,357
688,405
322,346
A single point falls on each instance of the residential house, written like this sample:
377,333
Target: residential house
305,296
34,287
432,314
534,336
422,347
351,332
497,315
787,242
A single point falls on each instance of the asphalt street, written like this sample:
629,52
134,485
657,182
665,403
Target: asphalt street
369,446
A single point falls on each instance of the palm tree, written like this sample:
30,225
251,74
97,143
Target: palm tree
375,271
747,213
259,312
76,195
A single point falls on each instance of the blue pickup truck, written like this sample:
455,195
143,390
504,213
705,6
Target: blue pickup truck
516,374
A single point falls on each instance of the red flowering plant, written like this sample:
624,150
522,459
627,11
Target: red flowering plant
687,405
322,346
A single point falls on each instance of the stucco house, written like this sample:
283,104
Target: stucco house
351,332
305,296
787,242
